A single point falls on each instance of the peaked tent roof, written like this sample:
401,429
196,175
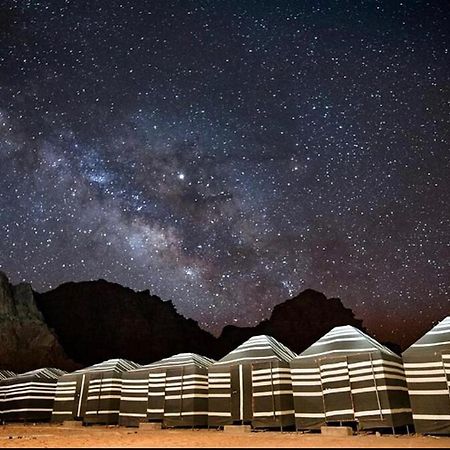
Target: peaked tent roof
49,373
438,337
342,340
6,374
259,348
180,359
116,365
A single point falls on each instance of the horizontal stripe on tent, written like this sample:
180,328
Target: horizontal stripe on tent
424,365
218,414
102,397
178,397
270,393
155,410
134,391
275,376
307,394
224,395
383,411
304,370
270,383
377,377
156,394
187,413
379,388
134,399
272,413
26,397
306,383
7,411
28,384
187,388
219,386
339,412
64,399
431,416
67,383
427,380
310,415
137,381
444,330
273,370
306,377
361,350
431,344
122,414
219,375
62,413
428,392
333,340
104,411
249,358
425,372
336,390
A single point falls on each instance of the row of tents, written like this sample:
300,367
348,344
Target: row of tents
346,377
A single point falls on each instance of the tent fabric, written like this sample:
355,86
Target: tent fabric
28,396
173,391
6,374
427,367
252,384
91,394
347,376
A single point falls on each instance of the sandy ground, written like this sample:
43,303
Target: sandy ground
50,435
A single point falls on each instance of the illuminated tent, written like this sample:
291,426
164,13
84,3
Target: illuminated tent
348,377
92,394
173,391
28,396
252,384
427,367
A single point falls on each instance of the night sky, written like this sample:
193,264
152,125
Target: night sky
229,154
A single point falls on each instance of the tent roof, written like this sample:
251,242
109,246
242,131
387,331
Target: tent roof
181,359
344,340
259,348
45,373
116,365
437,338
6,374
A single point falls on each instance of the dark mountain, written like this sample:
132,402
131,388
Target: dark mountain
91,321
297,322
98,320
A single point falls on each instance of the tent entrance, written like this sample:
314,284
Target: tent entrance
336,390
241,394
445,357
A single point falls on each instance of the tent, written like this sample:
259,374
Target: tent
348,377
173,391
427,367
6,374
28,396
252,384
92,394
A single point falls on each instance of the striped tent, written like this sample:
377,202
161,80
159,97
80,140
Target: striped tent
28,396
173,391
252,384
92,394
348,377
427,367
6,374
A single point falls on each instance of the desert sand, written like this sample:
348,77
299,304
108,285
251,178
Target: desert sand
51,435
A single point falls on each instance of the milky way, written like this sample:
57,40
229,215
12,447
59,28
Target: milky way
229,154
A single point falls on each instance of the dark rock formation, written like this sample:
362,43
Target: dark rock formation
26,342
92,321
297,322
98,320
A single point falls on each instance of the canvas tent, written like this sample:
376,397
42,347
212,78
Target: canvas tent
92,394
252,384
348,377
28,396
173,391
427,367
6,374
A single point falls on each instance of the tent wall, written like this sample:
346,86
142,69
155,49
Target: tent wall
366,388
26,399
134,398
427,367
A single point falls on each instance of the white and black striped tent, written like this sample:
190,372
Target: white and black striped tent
92,394
252,384
28,396
6,374
427,367
348,377
173,391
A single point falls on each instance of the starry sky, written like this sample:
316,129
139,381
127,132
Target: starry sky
229,154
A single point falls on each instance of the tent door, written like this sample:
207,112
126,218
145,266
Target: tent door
241,394
176,406
446,366
336,390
